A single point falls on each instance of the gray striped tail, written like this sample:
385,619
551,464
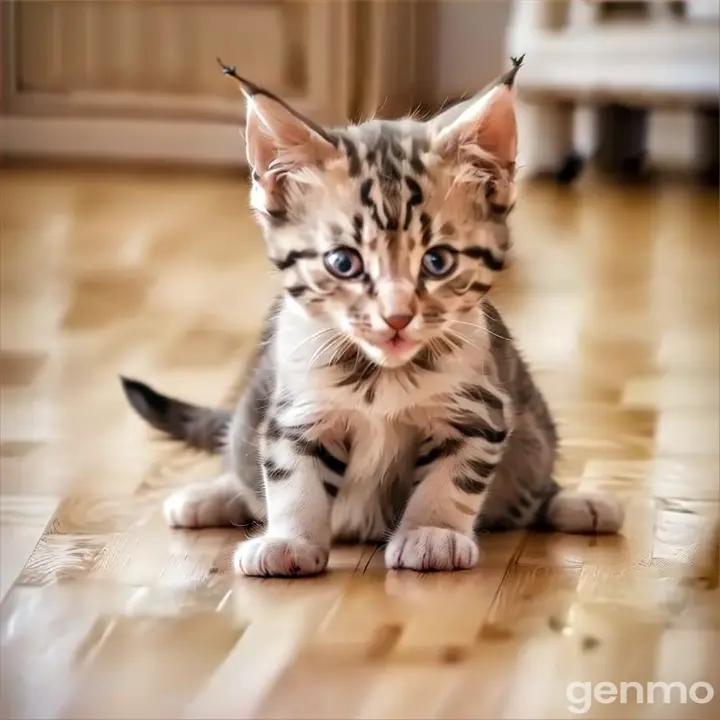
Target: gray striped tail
198,427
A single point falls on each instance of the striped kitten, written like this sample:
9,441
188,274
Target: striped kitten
386,401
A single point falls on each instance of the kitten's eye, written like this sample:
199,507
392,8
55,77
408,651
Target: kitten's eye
344,263
439,262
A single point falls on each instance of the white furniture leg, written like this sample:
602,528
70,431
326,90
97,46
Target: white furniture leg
546,136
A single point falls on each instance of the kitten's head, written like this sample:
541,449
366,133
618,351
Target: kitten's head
390,231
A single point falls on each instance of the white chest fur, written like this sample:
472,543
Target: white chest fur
385,433
381,459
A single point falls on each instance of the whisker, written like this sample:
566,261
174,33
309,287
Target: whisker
337,346
326,345
308,339
433,346
340,348
487,317
465,339
357,360
481,327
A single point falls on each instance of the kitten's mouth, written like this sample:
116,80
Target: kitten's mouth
392,351
398,344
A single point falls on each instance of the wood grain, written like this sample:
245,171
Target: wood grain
613,295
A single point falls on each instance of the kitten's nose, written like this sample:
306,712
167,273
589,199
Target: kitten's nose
398,322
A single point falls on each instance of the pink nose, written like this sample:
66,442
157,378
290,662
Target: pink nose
398,322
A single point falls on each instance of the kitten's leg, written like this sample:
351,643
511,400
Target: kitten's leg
436,531
212,503
297,538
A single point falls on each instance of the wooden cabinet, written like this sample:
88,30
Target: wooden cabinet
138,78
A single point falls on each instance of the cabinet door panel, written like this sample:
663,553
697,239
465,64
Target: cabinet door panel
157,59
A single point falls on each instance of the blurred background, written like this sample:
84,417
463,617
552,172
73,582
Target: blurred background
127,246
138,80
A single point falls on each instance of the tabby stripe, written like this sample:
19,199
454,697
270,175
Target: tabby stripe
331,490
296,432
369,395
481,395
389,172
330,461
354,166
283,402
460,284
477,430
292,257
273,430
298,436
274,472
446,448
416,198
277,217
469,485
463,508
415,162
297,290
478,287
360,370
425,224
499,209
516,512
481,468
480,253
368,284
337,233
357,229
425,360
525,502
302,446
447,230
430,457
367,201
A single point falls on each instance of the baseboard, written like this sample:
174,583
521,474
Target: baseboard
188,143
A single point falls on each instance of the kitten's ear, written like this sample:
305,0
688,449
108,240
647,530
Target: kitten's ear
278,138
485,122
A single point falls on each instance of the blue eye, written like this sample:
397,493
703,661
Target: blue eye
439,262
344,263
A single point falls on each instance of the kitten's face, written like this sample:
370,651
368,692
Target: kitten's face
396,254
389,232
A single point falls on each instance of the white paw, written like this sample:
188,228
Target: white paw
431,548
191,509
279,557
580,512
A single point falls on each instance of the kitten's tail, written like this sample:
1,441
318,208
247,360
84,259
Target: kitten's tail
570,511
198,427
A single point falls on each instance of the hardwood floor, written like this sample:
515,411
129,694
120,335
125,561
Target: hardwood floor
614,296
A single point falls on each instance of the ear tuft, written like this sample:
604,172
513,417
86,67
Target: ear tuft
484,125
487,126
509,77
278,138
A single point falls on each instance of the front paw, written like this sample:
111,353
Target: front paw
431,548
279,557
189,509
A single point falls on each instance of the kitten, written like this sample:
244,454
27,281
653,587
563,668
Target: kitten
386,401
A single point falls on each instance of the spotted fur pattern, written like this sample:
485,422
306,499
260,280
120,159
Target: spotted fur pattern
340,436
